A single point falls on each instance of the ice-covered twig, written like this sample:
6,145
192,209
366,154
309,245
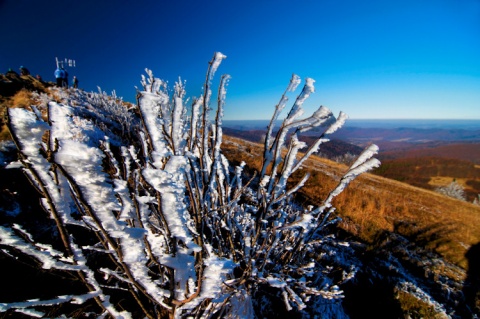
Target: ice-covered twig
364,163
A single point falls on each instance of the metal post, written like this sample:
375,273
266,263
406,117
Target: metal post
61,64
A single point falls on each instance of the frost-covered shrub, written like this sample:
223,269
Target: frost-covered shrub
454,190
108,112
155,222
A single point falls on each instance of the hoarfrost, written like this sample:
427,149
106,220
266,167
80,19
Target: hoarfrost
182,232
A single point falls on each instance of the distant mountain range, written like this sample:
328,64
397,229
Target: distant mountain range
388,134
329,150
360,135
372,123
414,123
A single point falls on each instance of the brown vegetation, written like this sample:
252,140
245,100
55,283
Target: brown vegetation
375,210
373,205
23,99
16,91
432,172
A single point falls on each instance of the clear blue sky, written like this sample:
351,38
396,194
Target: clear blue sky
370,59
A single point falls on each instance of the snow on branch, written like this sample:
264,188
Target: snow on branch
151,213
364,163
48,257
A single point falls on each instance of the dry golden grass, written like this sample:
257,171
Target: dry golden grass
22,99
373,205
445,180
443,224
4,133
412,305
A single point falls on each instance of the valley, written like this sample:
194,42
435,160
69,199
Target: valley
397,233
431,156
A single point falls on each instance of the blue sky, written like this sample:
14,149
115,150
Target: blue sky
370,59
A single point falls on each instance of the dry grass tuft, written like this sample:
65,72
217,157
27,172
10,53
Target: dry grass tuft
22,99
4,133
416,308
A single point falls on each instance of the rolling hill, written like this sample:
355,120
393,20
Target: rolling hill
424,236
422,157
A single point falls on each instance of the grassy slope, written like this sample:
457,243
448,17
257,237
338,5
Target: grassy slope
373,205
431,172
